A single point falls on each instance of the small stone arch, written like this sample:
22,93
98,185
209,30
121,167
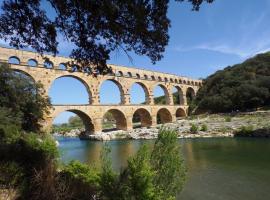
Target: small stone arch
145,77
32,63
166,92
119,73
180,113
171,80
129,74
138,76
175,80
153,78
143,116
145,89
164,116
159,78
48,64
62,66
14,60
88,89
120,87
166,79
120,118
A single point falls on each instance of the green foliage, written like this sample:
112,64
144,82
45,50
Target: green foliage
168,164
247,129
194,128
204,127
127,25
241,87
11,174
21,102
228,119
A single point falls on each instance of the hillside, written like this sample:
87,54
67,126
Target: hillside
241,87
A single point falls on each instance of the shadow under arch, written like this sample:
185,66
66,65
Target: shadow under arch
86,86
166,92
119,117
190,94
179,96
120,87
143,116
145,89
87,121
180,112
164,116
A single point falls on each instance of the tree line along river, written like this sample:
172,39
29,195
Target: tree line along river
218,168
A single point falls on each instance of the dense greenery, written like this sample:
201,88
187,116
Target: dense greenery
95,28
241,87
21,100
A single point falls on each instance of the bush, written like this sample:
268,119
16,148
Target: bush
204,127
228,119
247,129
194,128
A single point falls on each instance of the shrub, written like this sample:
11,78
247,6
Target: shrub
228,119
204,127
246,129
194,128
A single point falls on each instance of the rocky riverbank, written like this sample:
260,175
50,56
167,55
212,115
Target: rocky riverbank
194,127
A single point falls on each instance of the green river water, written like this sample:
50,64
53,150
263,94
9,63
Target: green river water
218,168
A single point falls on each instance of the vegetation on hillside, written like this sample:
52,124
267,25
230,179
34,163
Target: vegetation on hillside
242,87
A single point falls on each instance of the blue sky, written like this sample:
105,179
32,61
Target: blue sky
223,33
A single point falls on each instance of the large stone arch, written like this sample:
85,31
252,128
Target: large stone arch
120,118
25,73
166,92
164,115
87,121
145,117
120,87
180,94
81,80
190,93
145,89
180,112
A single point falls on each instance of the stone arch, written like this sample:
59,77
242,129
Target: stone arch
62,66
190,94
25,73
159,78
145,89
87,121
175,80
164,116
48,64
119,73
86,86
166,92
32,63
120,87
179,98
166,79
138,76
145,77
129,74
119,117
171,80
143,116
14,60
153,78
180,112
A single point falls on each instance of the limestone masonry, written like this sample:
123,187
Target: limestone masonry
34,65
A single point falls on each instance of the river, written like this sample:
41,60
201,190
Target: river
218,168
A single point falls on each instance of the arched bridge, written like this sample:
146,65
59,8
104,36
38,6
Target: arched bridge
45,72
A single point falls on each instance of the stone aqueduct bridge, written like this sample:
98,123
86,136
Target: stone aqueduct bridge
33,65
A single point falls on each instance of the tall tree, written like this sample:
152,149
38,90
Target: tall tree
95,27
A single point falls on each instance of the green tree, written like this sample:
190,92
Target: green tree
168,164
23,98
96,28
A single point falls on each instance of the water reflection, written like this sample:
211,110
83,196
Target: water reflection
225,168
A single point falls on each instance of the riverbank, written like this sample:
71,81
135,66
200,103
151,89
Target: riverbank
201,126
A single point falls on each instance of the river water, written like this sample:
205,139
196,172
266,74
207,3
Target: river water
218,168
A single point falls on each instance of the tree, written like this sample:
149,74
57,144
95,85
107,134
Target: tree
21,99
96,28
